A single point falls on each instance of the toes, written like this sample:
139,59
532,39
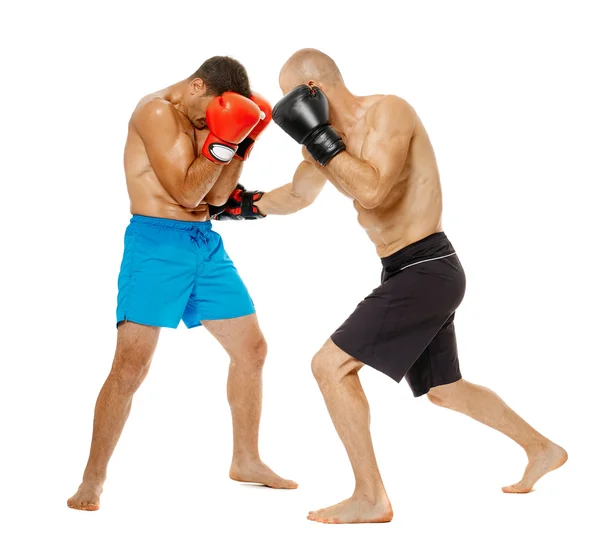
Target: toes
327,520
317,516
516,489
74,503
279,483
82,506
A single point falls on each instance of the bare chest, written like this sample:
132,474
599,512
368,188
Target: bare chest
188,130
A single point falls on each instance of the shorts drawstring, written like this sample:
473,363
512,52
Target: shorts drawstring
177,270
197,236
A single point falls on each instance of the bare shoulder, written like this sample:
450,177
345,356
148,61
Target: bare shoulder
391,112
153,111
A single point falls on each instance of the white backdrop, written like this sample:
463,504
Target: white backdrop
509,94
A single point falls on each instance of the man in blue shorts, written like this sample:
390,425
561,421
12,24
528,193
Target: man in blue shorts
185,150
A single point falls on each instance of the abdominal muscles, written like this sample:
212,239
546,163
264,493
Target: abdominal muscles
412,211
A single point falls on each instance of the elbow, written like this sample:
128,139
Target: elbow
187,201
216,199
371,200
299,202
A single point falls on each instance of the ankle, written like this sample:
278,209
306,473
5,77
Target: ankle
93,477
244,458
536,445
373,494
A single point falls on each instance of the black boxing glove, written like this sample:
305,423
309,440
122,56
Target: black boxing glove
239,206
304,114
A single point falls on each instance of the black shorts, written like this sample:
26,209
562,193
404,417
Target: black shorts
405,327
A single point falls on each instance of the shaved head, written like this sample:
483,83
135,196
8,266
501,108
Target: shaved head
309,64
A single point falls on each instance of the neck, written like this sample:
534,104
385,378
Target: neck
177,95
343,109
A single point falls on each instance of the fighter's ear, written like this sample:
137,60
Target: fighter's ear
312,84
197,86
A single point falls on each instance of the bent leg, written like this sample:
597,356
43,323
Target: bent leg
243,340
135,348
337,375
485,406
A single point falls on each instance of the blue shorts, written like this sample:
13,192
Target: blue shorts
174,270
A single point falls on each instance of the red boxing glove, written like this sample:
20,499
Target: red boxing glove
243,150
230,118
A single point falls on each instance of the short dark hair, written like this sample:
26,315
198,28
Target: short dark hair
221,74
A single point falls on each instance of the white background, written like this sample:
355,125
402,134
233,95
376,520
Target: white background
509,95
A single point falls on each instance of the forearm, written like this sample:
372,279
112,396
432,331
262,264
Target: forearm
356,177
281,201
225,184
292,197
199,179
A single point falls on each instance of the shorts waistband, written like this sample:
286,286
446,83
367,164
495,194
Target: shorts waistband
167,223
435,246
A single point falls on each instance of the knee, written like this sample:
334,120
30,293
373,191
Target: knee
129,370
445,396
258,352
254,355
323,369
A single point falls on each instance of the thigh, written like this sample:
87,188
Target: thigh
156,277
392,327
438,363
237,336
219,292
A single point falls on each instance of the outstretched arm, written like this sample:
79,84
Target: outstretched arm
306,185
369,179
244,204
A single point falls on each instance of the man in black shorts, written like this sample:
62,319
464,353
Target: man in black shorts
376,151
410,316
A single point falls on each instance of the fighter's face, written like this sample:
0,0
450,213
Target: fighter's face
197,110
197,102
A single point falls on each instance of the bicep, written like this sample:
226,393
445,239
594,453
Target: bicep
386,154
387,143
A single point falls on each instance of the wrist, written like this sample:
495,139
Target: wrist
250,200
324,144
218,150
262,204
244,149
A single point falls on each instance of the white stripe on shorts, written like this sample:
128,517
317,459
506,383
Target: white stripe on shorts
426,260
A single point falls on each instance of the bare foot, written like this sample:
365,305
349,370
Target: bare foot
354,511
87,497
543,458
259,472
